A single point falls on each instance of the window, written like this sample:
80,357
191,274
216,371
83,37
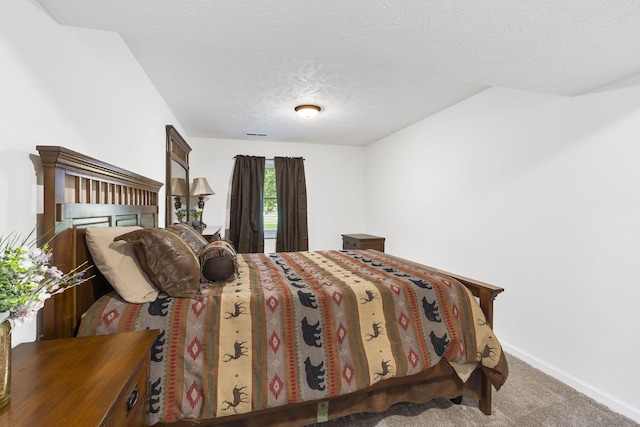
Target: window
270,203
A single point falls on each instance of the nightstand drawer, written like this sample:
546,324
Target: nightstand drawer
362,241
132,405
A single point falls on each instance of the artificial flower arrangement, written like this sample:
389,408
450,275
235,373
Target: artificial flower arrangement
27,280
180,214
196,213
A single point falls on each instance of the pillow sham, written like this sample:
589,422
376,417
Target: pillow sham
189,235
219,262
118,263
168,260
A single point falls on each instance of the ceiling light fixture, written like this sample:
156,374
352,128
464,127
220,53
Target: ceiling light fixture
307,110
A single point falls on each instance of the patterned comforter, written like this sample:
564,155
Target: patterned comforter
307,326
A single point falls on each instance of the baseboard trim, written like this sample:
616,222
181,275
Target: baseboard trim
611,402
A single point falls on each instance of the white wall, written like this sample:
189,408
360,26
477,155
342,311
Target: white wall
334,176
76,88
540,195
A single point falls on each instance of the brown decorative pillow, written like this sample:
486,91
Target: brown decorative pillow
118,263
168,260
218,262
189,235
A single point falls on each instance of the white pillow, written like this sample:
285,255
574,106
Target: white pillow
118,262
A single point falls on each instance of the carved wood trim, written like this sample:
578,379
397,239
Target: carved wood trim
101,195
177,151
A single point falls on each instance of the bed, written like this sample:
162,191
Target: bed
292,338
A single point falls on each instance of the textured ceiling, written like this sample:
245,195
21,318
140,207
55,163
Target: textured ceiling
228,68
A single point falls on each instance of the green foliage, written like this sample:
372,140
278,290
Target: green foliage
270,204
27,279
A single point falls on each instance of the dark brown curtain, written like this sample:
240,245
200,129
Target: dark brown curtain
246,225
291,195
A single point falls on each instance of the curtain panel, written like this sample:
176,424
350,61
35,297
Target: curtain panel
246,223
291,188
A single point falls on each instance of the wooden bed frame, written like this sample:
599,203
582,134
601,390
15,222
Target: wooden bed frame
82,192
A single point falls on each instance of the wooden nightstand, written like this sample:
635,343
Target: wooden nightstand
362,241
99,380
212,237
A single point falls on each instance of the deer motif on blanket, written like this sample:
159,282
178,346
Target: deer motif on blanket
239,349
239,396
238,310
377,331
386,370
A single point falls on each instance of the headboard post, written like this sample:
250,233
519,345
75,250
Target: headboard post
82,192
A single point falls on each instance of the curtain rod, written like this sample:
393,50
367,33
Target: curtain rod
272,158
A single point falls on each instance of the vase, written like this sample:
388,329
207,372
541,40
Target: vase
5,361
196,223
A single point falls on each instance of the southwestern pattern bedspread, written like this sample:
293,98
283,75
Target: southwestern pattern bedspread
302,326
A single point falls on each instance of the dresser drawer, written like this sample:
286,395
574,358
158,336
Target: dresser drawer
132,404
362,241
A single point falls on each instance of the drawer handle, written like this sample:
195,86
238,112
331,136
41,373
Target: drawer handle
133,398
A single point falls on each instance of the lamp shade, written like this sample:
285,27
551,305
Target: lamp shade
200,187
178,187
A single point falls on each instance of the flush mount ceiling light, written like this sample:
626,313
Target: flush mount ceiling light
307,110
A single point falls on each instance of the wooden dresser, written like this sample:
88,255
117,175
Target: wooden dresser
362,241
90,381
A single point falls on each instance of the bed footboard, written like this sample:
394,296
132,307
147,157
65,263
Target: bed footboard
485,293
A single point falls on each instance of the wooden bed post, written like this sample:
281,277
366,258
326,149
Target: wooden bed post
485,293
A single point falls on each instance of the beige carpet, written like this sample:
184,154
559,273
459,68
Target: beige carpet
529,398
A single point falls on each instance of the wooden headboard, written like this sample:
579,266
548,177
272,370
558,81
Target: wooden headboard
82,192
